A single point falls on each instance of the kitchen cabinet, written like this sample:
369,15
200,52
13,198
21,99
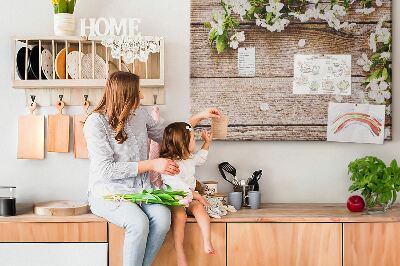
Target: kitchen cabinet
371,244
284,244
53,254
193,246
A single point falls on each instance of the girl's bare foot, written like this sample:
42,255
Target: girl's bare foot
181,259
209,249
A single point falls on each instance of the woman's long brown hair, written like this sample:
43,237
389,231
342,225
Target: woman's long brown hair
121,96
176,140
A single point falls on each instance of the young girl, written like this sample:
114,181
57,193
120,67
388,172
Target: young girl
179,145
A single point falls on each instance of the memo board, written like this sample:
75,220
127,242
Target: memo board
215,81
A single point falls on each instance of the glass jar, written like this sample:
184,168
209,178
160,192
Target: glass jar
7,201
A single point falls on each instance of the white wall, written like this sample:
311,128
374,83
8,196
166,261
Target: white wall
293,171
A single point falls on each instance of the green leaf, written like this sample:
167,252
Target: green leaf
207,25
71,6
221,43
63,6
385,73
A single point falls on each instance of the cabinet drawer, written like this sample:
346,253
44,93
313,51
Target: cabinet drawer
51,254
285,244
370,244
53,232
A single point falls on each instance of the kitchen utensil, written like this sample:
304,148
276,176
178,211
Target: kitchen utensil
245,191
73,64
47,63
34,62
80,149
99,67
254,199
7,201
31,135
210,187
61,208
61,62
254,180
21,55
58,130
225,166
219,127
235,199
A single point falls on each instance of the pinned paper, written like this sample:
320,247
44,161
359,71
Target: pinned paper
322,74
360,123
247,61
219,127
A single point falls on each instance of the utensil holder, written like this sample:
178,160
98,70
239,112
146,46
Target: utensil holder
245,193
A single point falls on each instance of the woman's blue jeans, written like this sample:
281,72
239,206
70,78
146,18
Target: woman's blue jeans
145,227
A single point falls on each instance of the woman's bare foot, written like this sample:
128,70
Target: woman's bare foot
209,249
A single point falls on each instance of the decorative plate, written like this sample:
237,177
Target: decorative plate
99,67
73,64
47,64
61,64
20,67
34,62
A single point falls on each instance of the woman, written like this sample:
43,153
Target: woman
116,134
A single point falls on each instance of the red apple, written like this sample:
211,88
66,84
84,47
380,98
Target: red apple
355,203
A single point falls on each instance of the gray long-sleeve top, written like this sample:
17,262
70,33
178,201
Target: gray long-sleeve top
113,166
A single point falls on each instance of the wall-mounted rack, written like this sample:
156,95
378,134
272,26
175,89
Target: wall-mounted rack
41,67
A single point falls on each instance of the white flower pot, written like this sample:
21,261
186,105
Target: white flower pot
64,24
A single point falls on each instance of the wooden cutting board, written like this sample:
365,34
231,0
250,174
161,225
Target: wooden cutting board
80,149
61,208
58,131
31,135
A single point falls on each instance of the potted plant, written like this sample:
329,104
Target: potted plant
64,21
376,182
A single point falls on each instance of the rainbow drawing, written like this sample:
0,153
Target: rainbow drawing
352,118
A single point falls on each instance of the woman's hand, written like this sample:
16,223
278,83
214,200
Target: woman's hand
208,113
160,165
165,166
200,198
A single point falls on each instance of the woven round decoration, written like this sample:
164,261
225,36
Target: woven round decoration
47,63
99,67
73,64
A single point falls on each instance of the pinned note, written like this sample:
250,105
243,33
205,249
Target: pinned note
219,127
247,61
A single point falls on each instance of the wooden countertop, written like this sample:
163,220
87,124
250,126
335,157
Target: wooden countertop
286,212
306,212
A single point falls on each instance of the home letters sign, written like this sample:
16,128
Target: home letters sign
109,26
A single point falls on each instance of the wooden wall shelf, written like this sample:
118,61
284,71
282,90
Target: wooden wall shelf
151,72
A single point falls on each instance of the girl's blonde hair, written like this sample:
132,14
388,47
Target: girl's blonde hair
176,140
121,96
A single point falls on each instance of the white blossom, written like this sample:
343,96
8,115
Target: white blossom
386,55
364,62
274,6
378,2
372,42
239,7
302,43
365,11
236,38
379,90
279,25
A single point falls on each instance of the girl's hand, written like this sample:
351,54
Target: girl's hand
210,113
200,198
206,136
165,166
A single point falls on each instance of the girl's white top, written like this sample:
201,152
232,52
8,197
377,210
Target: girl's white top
186,180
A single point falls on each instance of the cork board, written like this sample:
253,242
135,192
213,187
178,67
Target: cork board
215,81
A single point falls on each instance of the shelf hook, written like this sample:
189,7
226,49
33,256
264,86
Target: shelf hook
61,97
86,97
155,98
33,97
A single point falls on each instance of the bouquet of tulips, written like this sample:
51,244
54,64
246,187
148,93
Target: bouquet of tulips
64,6
166,197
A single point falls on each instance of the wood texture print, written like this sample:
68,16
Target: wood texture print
264,106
